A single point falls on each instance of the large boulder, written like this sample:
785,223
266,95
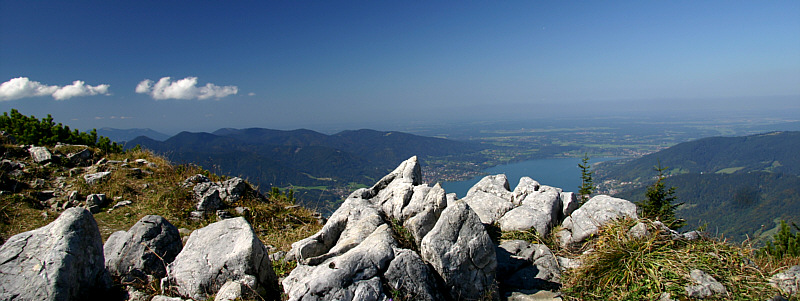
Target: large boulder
410,276
146,249
490,198
211,196
460,250
588,219
40,154
353,275
348,226
60,261
425,207
225,250
540,210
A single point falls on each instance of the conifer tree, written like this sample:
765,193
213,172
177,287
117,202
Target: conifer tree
659,203
586,179
784,243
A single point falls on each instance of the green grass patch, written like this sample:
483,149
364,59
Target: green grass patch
729,170
625,268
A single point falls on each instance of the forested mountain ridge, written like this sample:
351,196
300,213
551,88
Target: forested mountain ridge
771,152
736,186
316,163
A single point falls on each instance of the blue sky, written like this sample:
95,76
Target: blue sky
317,64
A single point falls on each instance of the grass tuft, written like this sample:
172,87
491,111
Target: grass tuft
624,268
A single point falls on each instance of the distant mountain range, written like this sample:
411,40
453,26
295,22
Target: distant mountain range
734,185
122,135
316,164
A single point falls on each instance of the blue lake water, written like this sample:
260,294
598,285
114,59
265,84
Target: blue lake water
562,173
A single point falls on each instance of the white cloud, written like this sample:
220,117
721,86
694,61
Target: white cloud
185,88
78,88
251,94
22,87
144,86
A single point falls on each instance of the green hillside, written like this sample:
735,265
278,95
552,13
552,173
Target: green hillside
322,168
774,152
735,186
737,205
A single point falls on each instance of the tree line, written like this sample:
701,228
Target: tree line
30,130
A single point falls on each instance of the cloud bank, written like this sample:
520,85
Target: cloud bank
22,87
185,88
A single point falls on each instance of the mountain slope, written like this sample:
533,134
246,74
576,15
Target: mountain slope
772,152
740,206
330,164
737,186
122,135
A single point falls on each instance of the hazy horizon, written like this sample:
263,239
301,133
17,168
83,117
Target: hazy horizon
188,66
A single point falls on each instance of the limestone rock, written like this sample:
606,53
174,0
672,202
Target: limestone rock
393,192
787,281
166,298
94,178
410,276
347,227
526,266
95,201
525,187
194,180
706,286
81,158
207,196
134,295
533,295
588,218
639,231
60,261
353,275
211,196
490,198
423,210
40,154
225,250
540,209
146,249
460,250
240,289
569,203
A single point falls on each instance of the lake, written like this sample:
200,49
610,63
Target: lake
561,172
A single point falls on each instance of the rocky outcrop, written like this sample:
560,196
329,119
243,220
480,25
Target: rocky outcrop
223,251
706,286
409,274
366,250
460,250
40,154
146,249
60,261
588,218
523,266
530,206
353,275
94,178
540,209
210,196
787,281
490,198
95,201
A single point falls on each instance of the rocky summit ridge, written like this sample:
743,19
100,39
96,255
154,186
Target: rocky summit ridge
400,239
